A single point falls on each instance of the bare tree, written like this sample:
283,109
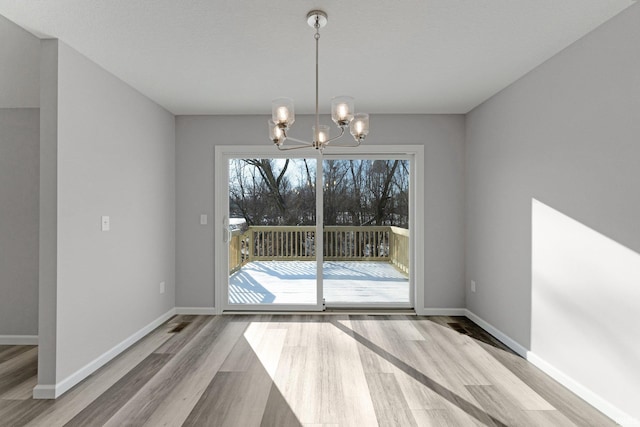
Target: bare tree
275,185
356,192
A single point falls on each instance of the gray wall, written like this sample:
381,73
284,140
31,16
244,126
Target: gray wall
553,210
19,151
19,67
442,136
115,156
48,221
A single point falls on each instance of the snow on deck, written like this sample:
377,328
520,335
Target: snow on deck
294,282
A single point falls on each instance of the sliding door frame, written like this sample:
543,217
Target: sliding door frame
414,153
221,196
386,156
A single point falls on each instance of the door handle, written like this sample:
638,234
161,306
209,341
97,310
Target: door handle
225,230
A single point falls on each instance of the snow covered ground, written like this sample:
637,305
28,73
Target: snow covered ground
294,282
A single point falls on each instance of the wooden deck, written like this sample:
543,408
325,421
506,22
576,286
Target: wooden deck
294,282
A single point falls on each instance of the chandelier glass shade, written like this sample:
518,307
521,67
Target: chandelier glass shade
342,111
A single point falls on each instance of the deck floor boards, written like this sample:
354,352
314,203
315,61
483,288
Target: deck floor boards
294,282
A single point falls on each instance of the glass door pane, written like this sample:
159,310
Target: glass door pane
366,232
272,234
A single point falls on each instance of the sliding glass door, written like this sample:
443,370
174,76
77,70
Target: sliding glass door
366,232
272,234
306,233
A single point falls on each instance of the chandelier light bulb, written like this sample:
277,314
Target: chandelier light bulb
359,127
283,115
276,133
321,136
282,112
342,110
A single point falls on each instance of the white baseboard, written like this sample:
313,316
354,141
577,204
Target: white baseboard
440,311
583,392
18,340
49,391
44,392
574,386
205,311
504,338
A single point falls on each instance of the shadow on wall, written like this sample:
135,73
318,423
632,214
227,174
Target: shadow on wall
585,296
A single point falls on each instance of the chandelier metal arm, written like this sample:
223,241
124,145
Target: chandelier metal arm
336,137
351,145
299,141
295,147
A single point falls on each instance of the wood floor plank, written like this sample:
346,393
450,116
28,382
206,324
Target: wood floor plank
240,358
548,418
19,369
403,328
419,396
17,413
296,365
278,412
179,340
248,391
109,402
309,370
151,397
219,405
501,406
447,344
79,397
443,418
297,327
22,391
485,368
8,352
388,400
371,330
329,388
458,396
357,403
570,405
187,389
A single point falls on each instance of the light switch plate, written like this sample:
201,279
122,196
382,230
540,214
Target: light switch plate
106,223
203,219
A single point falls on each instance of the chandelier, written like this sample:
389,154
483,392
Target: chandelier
342,111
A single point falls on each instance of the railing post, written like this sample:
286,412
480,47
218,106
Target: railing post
239,249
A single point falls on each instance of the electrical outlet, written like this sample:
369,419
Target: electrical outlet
162,287
473,286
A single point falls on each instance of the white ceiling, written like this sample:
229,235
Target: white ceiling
233,56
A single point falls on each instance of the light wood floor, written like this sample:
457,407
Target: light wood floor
311,370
